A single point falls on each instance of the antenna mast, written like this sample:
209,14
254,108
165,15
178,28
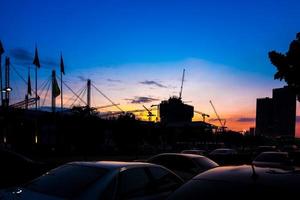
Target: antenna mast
180,93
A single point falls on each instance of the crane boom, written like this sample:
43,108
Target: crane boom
202,114
107,106
180,93
222,125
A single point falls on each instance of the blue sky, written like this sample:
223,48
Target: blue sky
122,43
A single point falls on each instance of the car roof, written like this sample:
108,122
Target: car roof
273,152
112,164
248,174
223,149
179,154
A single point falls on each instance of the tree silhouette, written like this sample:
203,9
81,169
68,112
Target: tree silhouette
288,65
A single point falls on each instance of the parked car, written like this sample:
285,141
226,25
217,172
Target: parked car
224,156
195,151
261,149
16,169
222,152
240,182
100,180
273,159
184,165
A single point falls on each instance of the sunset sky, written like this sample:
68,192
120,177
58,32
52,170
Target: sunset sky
135,50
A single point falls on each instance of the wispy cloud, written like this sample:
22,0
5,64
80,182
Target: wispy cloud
82,78
246,119
139,100
23,56
114,80
154,83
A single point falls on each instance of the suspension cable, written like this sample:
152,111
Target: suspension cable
107,98
70,98
46,94
71,90
83,89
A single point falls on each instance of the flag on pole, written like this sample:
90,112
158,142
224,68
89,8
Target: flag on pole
55,88
29,84
62,66
36,60
1,48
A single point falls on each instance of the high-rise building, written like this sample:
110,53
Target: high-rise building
264,116
284,117
276,116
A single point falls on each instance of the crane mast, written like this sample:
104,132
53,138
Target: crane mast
180,93
219,119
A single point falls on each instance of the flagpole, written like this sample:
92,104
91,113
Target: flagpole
52,96
61,88
1,86
36,94
1,90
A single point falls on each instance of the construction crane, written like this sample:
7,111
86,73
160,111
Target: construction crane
181,88
218,117
202,114
107,106
157,111
150,114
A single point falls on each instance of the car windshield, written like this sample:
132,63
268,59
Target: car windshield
205,163
67,180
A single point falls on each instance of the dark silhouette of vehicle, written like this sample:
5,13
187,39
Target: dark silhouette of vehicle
261,149
195,151
240,182
16,169
290,148
223,152
273,159
184,165
224,156
100,180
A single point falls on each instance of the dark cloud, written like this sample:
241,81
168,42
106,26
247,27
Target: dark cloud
138,100
23,56
114,80
246,119
153,83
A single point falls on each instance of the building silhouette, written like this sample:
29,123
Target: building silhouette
276,116
175,111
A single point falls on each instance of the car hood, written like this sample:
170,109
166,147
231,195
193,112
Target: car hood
22,193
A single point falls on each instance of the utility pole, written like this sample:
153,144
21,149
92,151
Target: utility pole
7,87
89,93
1,87
53,101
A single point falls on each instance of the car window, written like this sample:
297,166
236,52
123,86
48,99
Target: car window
164,180
205,163
183,164
160,160
174,162
67,181
133,183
